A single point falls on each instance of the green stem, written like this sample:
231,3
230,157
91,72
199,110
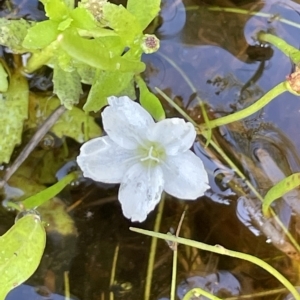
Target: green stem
151,259
174,275
223,251
290,51
259,104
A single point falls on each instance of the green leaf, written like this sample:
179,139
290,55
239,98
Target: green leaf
41,35
14,110
22,247
65,24
93,53
3,79
278,190
122,21
50,192
144,11
149,101
56,9
73,123
67,86
12,34
107,83
83,19
86,73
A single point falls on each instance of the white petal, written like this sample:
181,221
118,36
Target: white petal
126,122
175,134
185,176
103,160
140,191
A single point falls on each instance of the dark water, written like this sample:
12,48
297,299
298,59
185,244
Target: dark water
212,49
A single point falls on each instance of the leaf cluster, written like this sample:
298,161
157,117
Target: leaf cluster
97,43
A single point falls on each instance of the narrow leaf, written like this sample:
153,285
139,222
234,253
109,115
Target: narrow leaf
50,192
22,247
282,187
149,101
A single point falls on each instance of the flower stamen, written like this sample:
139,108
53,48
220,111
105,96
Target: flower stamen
150,156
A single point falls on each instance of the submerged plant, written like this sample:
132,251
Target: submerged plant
145,157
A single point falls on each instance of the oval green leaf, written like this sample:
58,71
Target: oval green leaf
21,249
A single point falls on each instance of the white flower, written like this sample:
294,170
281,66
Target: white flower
145,157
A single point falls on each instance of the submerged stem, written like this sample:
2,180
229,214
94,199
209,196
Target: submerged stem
223,251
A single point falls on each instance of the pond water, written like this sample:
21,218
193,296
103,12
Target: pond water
229,70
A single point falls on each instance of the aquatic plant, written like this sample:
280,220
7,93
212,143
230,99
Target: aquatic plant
145,157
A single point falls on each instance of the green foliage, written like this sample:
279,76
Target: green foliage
21,247
107,83
13,32
3,79
73,123
14,110
47,194
74,40
138,9
61,79
149,101
282,187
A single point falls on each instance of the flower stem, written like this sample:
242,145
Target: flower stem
290,51
263,101
153,249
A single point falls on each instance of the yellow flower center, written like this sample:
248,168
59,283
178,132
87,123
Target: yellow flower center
152,155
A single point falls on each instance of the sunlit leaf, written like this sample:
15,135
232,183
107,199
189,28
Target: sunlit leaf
67,86
41,35
65,24
73,123
122,21
149,101
278,190
86,73
3,79
138,9
107,83
22,247
50,192
14,110
56,9
83,19
93,53
13,32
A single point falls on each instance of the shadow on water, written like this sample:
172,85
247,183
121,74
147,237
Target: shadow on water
218,53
